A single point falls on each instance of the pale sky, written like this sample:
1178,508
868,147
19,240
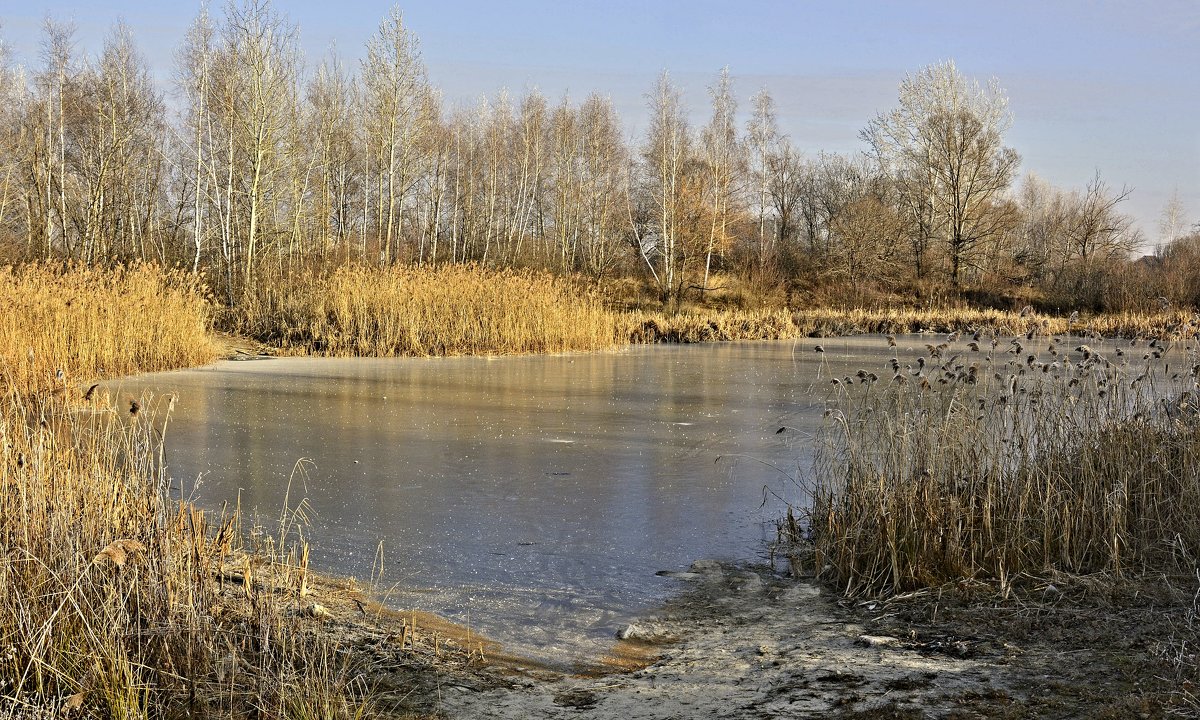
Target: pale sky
1108,86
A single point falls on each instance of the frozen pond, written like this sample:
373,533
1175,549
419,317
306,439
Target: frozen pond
535,496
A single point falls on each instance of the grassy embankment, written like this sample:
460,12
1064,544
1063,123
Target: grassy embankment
456,310
710,325
115,600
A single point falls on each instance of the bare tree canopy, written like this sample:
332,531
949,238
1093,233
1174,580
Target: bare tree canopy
944,145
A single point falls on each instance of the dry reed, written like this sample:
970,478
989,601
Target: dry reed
423,311
456,309
65,325
116,600
699,325
997,459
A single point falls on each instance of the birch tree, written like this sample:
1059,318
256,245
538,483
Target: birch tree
56,89
763,135
725,165
437,142
667,150
13,101
193,79
603,162
119,151
331,102
394,84
1171,222
262,60
943,143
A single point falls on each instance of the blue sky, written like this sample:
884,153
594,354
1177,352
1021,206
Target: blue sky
1108,86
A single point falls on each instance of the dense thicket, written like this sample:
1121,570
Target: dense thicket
254,166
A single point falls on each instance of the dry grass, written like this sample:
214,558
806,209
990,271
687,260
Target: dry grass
443,310
92,322
709,326
458,310
1023,457
700,325
117,601
122,603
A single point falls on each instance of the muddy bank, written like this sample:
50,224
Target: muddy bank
748,643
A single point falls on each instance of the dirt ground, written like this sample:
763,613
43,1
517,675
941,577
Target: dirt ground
745,642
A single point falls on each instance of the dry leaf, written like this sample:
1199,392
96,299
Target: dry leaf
72,703
118,552
318,611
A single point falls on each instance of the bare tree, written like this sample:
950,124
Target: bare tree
763,136
331,100
784,182
262,60
13,139
1171,222
193,78
55,84
436,150
1096,230
603,161
725,162
119,141
944,145
529,143
394,86
567,179
666,153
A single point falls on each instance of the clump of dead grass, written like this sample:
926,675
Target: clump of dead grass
62,325
993,458
118,600
116,596
704,325
424,311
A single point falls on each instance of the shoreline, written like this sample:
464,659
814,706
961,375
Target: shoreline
745,641
736,641
709,325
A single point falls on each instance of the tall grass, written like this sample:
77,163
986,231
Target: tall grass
117,601
1020,458
87,322
455,310
422,311
700,325
123,603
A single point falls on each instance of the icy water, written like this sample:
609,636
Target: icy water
533,497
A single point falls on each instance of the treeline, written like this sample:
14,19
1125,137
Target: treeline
253,166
